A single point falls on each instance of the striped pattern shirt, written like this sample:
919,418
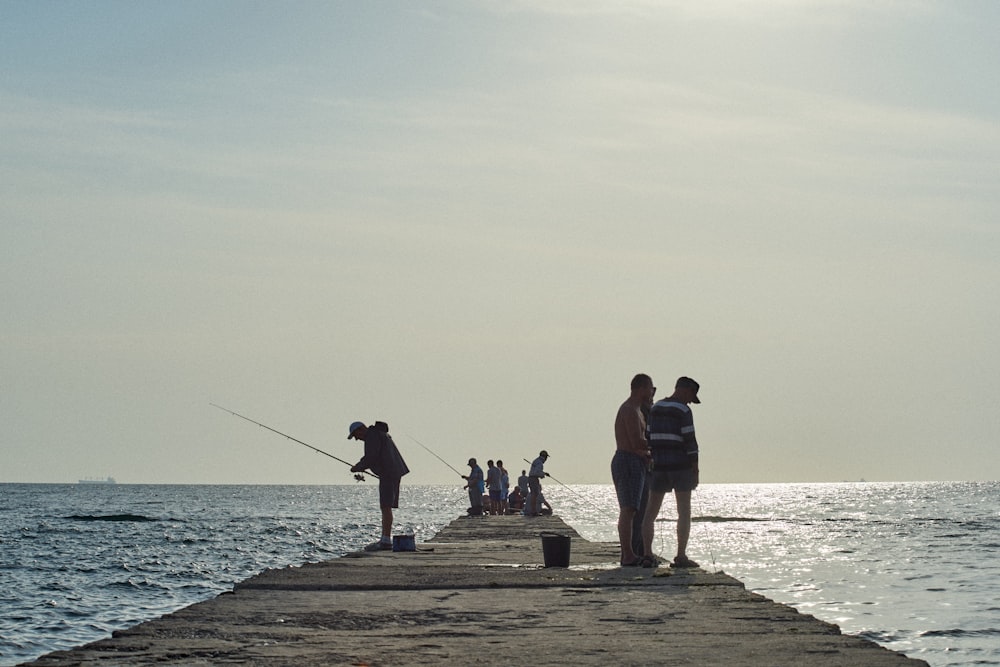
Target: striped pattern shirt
671,436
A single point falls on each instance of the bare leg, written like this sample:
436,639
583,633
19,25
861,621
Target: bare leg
625,517
683,521
640,515
652,510
387,522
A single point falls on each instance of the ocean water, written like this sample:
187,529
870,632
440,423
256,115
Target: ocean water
912,566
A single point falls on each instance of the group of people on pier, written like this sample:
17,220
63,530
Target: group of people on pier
491,493
656,453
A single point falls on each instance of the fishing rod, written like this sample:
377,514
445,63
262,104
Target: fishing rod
358,476
579,495
433,454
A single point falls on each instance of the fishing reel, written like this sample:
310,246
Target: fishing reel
358,477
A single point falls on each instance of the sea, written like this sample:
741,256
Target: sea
913,566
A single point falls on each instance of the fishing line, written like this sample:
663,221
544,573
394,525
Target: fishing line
433,454
574,492
358,476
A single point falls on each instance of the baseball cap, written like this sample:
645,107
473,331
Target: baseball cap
353,427
687,383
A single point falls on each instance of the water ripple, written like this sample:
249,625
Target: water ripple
911,566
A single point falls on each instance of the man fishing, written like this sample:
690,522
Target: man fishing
535,475
383,459
475,486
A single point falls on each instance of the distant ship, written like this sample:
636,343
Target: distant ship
106,480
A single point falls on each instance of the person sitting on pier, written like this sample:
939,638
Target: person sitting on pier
515,501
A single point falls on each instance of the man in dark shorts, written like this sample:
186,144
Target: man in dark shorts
504,487
675,464
628,467
494,483
383,459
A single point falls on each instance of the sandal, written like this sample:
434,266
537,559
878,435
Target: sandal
635,563
682,562
650,561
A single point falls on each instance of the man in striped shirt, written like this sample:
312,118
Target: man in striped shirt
675,464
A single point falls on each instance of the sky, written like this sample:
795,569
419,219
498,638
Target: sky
476,221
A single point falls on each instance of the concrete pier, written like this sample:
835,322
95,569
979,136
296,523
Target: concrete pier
478,593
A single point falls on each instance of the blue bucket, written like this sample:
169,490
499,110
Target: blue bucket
404,543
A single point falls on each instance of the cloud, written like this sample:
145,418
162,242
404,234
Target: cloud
499,233
764,12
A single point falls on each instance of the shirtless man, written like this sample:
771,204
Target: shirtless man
632,457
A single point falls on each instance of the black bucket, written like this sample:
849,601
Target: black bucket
555,549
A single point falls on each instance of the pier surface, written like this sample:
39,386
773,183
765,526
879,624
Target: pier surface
478,593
